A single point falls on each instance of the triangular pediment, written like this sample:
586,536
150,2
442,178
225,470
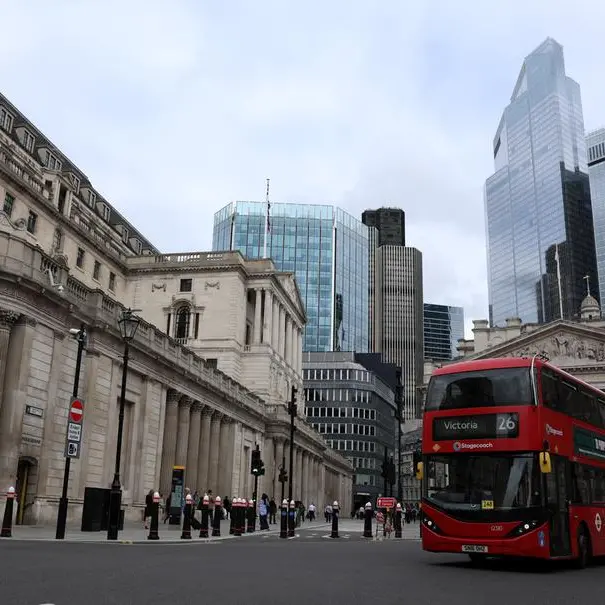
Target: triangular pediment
564,343
288,283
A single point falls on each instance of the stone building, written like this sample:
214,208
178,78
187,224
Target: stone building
68,258
577,346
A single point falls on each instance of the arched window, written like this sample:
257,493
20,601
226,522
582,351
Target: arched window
57,240
182,321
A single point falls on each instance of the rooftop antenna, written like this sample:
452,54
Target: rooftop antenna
587,278
267,221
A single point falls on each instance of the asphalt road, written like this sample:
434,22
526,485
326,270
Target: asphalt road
271,572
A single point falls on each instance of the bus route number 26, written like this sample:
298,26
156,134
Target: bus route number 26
507,424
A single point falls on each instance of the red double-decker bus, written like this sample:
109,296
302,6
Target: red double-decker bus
513,462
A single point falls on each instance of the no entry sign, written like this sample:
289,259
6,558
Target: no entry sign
76,412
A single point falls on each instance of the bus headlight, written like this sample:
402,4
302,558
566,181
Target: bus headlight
430,524
523,528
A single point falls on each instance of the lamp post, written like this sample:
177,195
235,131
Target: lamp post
81,336
129,324
292,412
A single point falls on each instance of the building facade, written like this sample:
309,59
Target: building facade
326,249
540,240
398,320
411,442
350,400
443,328
595,144
65,262
389,224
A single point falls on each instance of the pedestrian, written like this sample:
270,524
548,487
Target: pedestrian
227,506
272,511
210,508
311,512
167,507
263,512
148,508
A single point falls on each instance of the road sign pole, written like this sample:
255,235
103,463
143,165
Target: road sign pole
64,502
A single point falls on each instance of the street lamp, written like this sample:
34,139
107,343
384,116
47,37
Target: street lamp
128,324
81,337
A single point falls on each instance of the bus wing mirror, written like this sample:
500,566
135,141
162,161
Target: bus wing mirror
545,463
419,471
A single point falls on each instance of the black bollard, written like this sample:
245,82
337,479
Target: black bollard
292,519
236,513
398,525
186,533
368,515
155,518
216,519
233,517
283,528
251,517
243,508
205,515
335,515
7,520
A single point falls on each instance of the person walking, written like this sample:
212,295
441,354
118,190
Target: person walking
272,512
263,512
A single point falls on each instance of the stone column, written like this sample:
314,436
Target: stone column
268,455
298,344
7,319
307,476
268,318
279,456
257,316
169,442
193,446
204,451
298,482
223,454
182,434
229,458
215,439
281,331
288,353
275,325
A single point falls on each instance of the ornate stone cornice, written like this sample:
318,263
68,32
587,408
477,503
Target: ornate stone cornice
196,407
185,401
217,416
207,410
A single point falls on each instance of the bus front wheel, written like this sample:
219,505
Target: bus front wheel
584,550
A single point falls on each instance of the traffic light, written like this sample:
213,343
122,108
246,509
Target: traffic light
418,466
391,472
384,468
283,475
255,465
292,404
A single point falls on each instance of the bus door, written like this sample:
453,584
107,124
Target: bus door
558,488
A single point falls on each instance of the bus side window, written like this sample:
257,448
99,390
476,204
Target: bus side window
550,391
601,404
581,485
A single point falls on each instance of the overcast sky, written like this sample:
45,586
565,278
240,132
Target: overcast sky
175,108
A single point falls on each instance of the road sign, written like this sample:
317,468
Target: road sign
386,502
73,436
76,411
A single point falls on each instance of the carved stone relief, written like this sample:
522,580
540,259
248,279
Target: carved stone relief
563,345
19,225
212,284
155,287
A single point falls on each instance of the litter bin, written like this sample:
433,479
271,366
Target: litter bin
95,509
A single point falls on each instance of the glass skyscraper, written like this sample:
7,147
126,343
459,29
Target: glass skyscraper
443,327
595,143
326,248
540,240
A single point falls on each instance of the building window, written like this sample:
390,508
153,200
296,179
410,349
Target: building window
96,272
80,258
9,202
112,281
57,240
28,140
52,162
212,363
6,120
181,325
32,221
186,285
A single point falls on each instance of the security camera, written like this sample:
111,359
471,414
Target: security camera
74,331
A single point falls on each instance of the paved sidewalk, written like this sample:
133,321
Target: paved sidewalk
132,534
352,528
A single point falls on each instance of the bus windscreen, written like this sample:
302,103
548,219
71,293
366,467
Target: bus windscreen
495,387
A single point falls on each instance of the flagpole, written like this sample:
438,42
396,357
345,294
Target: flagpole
267,205
559,279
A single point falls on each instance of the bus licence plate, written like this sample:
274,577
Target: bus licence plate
474,548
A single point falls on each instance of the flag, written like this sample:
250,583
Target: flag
268,216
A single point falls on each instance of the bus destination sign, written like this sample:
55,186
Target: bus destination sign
484,426
587,443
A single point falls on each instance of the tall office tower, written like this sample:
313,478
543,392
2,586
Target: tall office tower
388,229
326,248
595,143
390,224
540,240
443,327
398,318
